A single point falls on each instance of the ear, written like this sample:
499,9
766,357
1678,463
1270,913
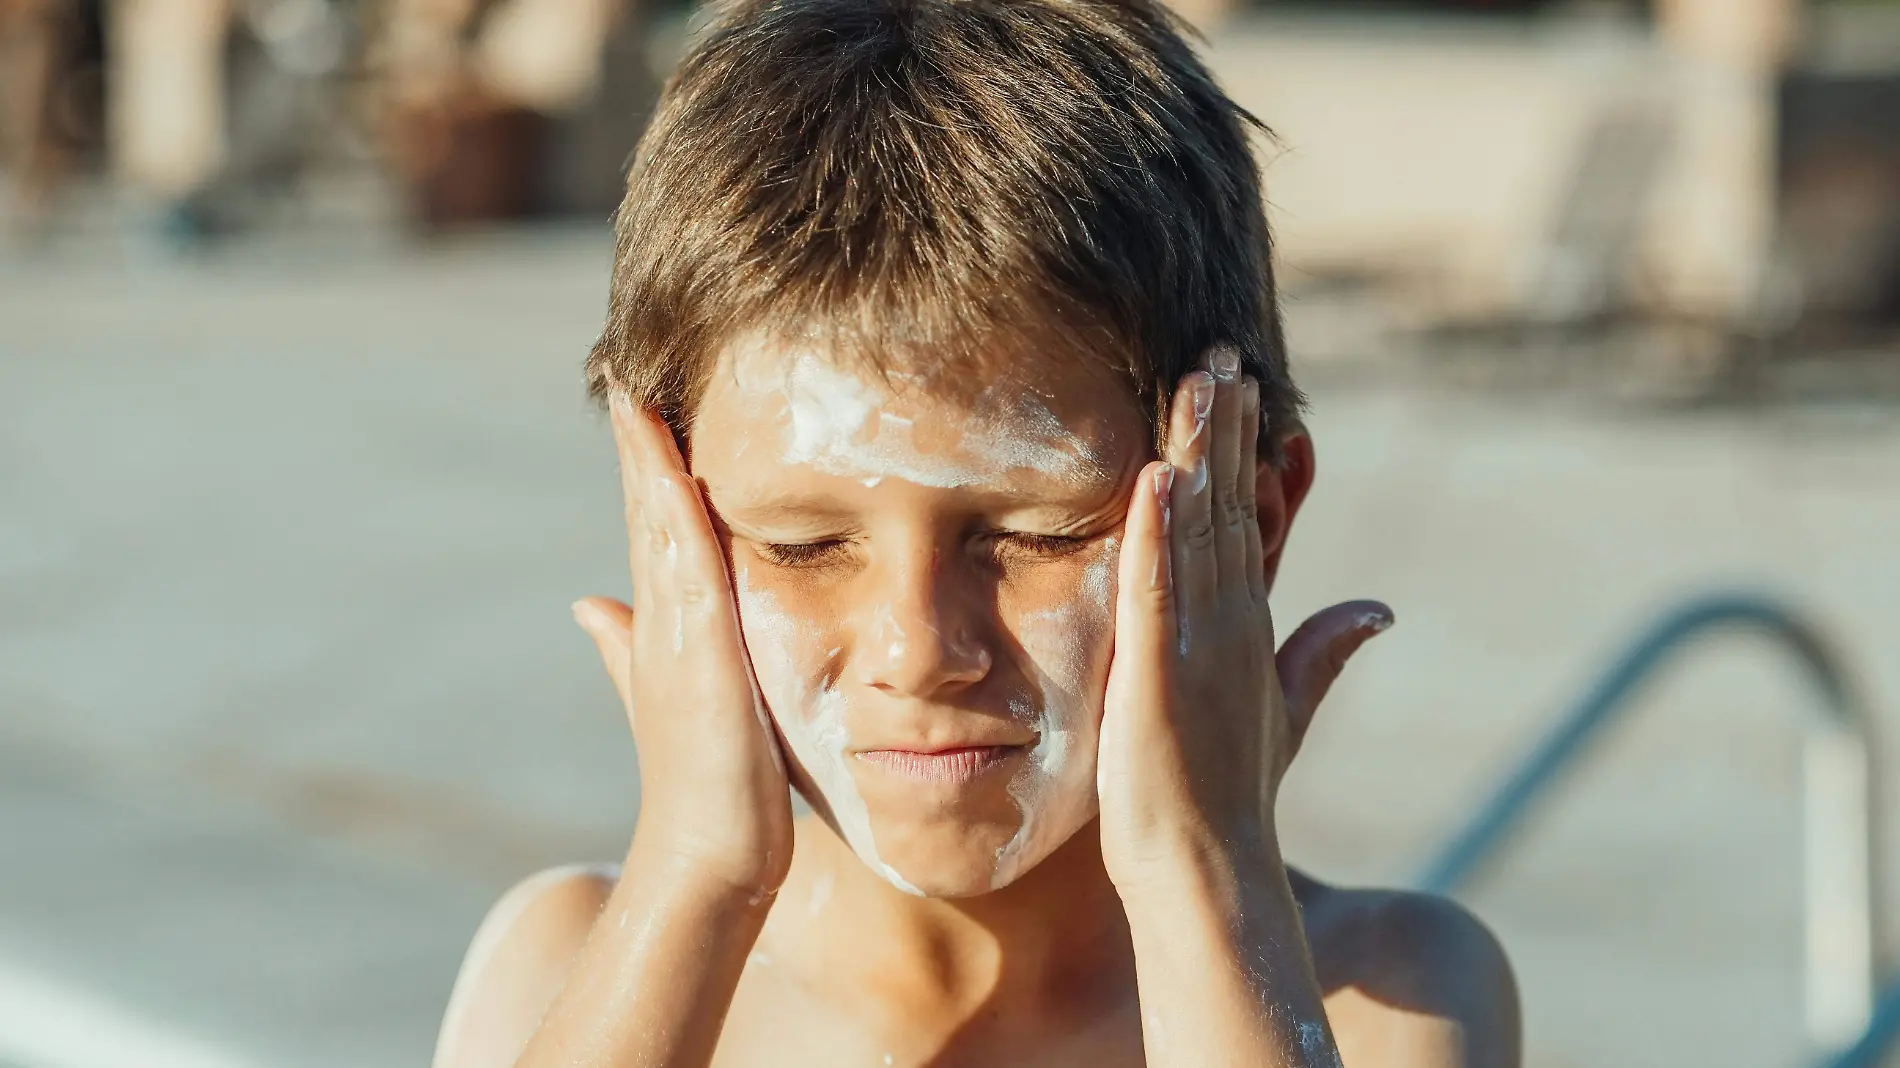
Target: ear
1279,492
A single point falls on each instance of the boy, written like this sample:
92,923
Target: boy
959,451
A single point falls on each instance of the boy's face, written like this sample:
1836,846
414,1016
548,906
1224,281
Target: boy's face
927,590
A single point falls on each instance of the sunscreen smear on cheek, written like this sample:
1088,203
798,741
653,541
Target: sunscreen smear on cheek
810,713
1055,789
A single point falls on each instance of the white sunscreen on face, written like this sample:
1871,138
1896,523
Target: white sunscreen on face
804,700
1055,789
837,423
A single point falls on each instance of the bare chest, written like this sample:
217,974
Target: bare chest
772,1025
778,1024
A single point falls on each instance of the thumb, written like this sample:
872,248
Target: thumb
1314,655
610,624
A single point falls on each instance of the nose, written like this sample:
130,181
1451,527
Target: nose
920,635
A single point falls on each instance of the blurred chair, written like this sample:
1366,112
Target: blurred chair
1586,263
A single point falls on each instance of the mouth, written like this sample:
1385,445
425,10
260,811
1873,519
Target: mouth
956,765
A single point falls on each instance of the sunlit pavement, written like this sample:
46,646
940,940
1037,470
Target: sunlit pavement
289,690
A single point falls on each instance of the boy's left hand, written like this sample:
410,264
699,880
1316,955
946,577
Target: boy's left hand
1201,719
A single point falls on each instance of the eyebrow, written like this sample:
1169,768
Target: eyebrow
788,507
1063,518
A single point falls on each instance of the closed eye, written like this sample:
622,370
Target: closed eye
803,554
1048,545
829,551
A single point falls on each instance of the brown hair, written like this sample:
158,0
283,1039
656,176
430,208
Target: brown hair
957,184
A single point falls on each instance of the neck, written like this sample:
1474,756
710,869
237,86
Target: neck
1054,941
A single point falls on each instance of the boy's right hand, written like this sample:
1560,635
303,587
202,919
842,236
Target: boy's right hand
714,799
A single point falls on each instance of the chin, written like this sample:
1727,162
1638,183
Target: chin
950,840
956,859
947,862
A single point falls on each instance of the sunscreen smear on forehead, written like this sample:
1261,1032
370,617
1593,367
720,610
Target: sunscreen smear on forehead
839,423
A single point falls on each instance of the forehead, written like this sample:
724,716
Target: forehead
770,406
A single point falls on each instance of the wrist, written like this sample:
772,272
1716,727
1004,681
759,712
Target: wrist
691,875
1200,864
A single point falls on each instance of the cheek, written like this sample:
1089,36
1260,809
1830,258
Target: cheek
1068,641
787,652
1068,646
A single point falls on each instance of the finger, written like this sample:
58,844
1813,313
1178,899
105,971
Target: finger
624,418
1191,513
1224,461
1312,658
1145,604
692,588
696,592
610,624
688,567
672,514
1253,555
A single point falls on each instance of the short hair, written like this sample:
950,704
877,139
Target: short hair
963,185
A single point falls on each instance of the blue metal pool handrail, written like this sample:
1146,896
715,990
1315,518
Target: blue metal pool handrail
1838,831
1871,1047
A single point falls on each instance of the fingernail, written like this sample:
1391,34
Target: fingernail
1225,362
1201,392
1376,622
1164,489
584,614
621,405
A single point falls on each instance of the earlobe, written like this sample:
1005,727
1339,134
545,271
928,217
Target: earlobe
1279,491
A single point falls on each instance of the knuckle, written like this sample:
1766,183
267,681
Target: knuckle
1200,535
1230,506
1159,597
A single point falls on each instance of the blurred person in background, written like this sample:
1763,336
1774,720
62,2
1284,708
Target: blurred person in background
44,76
166,109
465,93
208,103
189,102
460,96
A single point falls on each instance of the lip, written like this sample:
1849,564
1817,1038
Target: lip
955,765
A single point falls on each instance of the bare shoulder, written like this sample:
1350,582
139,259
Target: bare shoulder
1411,980
517,963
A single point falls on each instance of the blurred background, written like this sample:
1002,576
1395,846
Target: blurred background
1598,302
